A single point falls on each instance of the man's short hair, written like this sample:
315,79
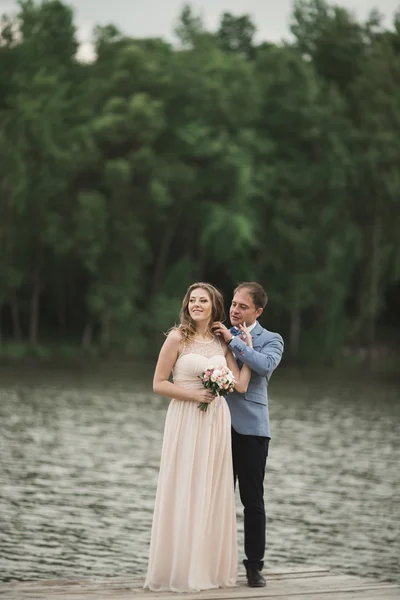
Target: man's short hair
255,291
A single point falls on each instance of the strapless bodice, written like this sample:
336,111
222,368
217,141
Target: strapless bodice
195,358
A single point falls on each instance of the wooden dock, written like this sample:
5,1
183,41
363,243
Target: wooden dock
305,583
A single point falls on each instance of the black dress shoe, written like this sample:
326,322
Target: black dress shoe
255,578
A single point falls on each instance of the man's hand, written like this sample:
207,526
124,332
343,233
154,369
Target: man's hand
219,328
245,335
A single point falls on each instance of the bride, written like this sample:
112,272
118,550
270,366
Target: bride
193,540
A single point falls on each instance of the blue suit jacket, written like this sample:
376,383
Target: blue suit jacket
249,411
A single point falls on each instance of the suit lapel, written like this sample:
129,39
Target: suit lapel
256,332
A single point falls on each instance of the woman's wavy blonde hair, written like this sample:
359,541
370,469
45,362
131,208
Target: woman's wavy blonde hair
187,326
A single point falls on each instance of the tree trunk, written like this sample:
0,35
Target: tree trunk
105,334
162,257
199,267
35,304
16,320
374,288
295,328
199,263
61,309
87,336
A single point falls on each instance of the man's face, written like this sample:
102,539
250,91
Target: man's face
243,310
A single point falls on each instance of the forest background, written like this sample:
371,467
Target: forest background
125,179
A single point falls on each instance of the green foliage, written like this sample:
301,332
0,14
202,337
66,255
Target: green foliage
126,179
189,28
236,34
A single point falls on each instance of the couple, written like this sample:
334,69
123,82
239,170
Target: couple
193,541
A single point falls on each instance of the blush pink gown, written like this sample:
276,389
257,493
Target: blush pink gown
193,541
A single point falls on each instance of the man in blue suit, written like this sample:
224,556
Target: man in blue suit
250,419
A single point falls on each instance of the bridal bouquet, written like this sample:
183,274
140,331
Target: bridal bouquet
219,380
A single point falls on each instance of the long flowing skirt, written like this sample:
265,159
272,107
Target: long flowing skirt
193,541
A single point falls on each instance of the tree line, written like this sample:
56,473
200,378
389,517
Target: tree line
217,158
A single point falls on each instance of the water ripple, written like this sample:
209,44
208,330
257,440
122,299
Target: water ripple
79,464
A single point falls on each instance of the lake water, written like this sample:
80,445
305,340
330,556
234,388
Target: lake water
79,455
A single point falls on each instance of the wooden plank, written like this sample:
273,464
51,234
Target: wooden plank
279,572
388,593
295,570
287,584
329,583
376,594
268,592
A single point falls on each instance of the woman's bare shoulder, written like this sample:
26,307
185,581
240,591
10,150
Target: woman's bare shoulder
174,336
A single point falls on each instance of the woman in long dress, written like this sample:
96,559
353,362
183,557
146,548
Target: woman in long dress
193,540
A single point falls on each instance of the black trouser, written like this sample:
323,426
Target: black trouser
249,453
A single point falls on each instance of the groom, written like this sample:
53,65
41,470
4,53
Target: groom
249,414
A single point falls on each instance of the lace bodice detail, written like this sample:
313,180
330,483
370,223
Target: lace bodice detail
194,359
207,349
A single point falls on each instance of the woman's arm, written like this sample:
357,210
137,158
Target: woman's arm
166,360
